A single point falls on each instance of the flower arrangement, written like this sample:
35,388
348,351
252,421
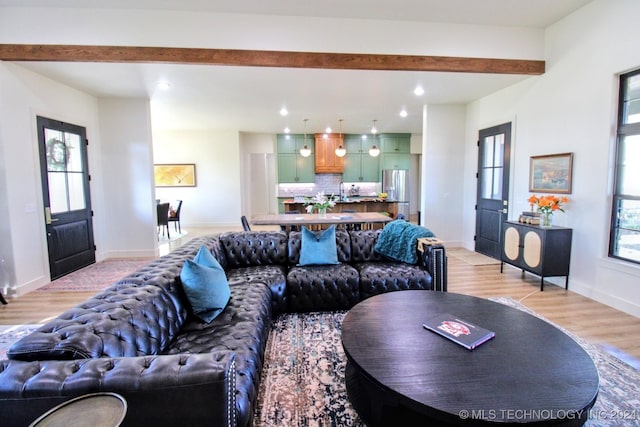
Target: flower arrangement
547,205
320,202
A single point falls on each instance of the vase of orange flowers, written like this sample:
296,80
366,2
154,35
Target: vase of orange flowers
547,205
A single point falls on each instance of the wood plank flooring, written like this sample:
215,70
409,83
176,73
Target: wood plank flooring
589,319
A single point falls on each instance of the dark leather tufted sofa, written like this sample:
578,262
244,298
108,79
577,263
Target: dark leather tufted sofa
138,338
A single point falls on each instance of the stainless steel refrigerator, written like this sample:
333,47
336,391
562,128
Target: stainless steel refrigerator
395,182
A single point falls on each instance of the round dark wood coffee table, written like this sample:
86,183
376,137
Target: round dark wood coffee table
399,373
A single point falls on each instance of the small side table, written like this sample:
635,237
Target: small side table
428,241
95,410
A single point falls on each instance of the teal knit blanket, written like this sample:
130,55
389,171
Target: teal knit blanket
399,241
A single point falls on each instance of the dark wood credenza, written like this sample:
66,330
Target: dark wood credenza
544,251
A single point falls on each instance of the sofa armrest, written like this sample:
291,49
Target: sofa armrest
434,259
181,389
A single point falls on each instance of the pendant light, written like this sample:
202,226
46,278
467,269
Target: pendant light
374,151
340,151
305,151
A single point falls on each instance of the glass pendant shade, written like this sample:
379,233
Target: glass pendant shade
374,151
305,151
340,151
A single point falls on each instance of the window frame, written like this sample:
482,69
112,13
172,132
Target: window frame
623,130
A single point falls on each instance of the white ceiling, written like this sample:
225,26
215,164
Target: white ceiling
248,98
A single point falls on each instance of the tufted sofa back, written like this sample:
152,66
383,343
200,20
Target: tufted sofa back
363,244
253,248
343,244
126,320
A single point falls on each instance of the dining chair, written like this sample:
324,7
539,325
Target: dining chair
175,217
245,223
163,218
350,227
291,227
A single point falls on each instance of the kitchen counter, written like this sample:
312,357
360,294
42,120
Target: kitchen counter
359,204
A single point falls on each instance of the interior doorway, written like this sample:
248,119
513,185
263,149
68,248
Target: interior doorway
66,196
494,149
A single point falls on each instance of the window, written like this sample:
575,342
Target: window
625,218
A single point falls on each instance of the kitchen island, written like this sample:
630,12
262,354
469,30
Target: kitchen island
359,204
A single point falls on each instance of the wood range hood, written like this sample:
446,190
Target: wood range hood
326,159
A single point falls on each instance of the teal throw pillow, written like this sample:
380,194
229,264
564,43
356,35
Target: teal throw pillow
318,250
205,284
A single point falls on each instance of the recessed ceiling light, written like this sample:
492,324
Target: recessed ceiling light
418,91
403,113
283,111
287,130
163,85
328,129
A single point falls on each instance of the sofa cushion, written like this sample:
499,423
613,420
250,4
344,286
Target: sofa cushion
242,328
205,284
318,248
363,244
253,248
273,276
380,277
322,288
343,246
125,320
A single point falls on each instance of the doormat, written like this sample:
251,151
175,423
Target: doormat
96,277
470,257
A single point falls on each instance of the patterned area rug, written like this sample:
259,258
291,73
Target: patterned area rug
96,277
618,401
470,257
303,377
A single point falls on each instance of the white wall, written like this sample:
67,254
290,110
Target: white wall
443,172
126,210
571,108
215,200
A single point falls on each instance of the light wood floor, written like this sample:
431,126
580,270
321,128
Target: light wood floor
591,320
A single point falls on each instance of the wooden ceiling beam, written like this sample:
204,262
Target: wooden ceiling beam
266,58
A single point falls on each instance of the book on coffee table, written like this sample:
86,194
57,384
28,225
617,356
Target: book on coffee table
459,331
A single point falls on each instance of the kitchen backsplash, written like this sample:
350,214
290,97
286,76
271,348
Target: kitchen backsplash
330,184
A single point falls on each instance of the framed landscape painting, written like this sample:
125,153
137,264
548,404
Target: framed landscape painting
175,175
551,173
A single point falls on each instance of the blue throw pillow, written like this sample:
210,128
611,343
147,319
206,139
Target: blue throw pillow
205,284
319,250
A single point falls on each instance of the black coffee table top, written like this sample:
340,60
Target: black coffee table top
531,371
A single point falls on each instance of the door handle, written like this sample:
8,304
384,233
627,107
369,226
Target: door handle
47,216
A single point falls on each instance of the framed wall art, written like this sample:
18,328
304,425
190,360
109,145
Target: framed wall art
551,173
175,175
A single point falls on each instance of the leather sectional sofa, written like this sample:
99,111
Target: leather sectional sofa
139,339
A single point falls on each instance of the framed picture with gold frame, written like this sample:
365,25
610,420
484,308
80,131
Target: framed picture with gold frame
551,173
175,175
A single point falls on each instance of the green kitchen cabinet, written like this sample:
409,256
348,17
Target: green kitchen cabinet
395,161
292,143
395,143
396,151
292,167
359,166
